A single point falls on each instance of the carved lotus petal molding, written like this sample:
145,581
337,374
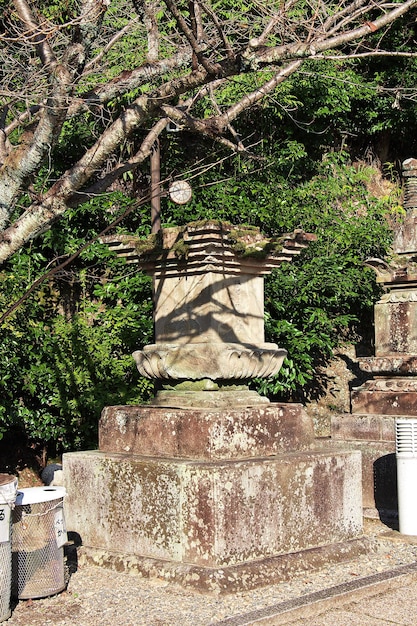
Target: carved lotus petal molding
221,361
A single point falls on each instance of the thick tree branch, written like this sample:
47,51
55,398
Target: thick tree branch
216,124
128,165
128,81
152,31
23,161
34,33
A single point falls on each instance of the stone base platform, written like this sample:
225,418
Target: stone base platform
232,579
222,526
209,433
218,500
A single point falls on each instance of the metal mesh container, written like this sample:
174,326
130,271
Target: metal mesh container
8,488
38,542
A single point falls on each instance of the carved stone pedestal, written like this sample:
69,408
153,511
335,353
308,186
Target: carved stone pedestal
219,500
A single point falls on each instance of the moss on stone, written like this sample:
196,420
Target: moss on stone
181,249
151,245
245,240
224,225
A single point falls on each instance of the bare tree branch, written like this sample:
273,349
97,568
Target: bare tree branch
304,50
123,68
196,46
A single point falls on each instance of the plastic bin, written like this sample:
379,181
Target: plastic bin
38,542
8,489
406,454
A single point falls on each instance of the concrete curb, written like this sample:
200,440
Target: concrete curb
314,604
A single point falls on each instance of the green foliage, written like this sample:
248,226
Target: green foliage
67,349
325,297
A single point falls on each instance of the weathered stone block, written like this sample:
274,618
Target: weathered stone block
213,514
348,427
374,437
396,324
205,433
389,397
208,306
379,476
406,233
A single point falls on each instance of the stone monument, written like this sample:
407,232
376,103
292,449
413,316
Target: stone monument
210,484
391,389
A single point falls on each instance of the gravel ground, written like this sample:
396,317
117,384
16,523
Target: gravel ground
100,597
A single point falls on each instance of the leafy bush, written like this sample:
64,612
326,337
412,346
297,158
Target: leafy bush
325,297
67,348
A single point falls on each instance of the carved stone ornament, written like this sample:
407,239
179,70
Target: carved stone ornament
216,361
409,295
400,364
395,384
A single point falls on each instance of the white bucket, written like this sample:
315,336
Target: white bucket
36,495
8,488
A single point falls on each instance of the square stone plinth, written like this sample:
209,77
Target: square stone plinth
216,519
209,434
368,427
396,324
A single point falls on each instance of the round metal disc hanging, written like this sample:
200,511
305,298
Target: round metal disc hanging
180,191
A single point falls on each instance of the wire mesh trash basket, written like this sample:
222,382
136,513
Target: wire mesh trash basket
8,489
38,542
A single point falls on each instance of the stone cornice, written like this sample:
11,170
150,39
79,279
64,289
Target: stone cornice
213,246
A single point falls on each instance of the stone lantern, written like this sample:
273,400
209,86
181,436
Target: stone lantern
210,484
393,387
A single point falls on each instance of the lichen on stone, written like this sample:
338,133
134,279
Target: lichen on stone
248,241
